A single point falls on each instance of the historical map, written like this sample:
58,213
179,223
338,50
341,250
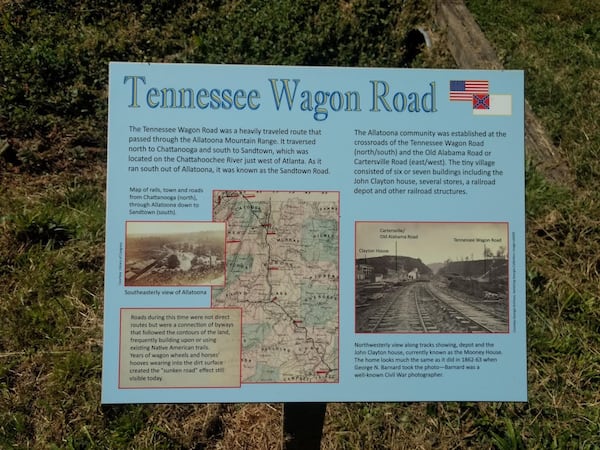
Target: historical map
282,269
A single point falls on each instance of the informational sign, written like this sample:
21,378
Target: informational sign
283,234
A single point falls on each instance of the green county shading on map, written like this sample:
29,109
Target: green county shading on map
282,269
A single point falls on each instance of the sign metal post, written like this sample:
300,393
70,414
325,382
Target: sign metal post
303,425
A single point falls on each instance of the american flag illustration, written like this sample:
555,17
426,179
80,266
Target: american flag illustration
463,90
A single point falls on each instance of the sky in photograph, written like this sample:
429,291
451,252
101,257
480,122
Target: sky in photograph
431,242
158,228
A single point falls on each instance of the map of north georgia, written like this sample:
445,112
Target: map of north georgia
282,269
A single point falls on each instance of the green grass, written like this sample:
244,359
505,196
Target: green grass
558,44
53,61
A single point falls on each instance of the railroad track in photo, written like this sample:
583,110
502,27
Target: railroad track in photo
427,307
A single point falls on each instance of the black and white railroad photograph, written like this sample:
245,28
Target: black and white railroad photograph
175,254
431,277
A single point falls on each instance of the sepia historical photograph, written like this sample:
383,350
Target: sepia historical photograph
175,254
428,277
